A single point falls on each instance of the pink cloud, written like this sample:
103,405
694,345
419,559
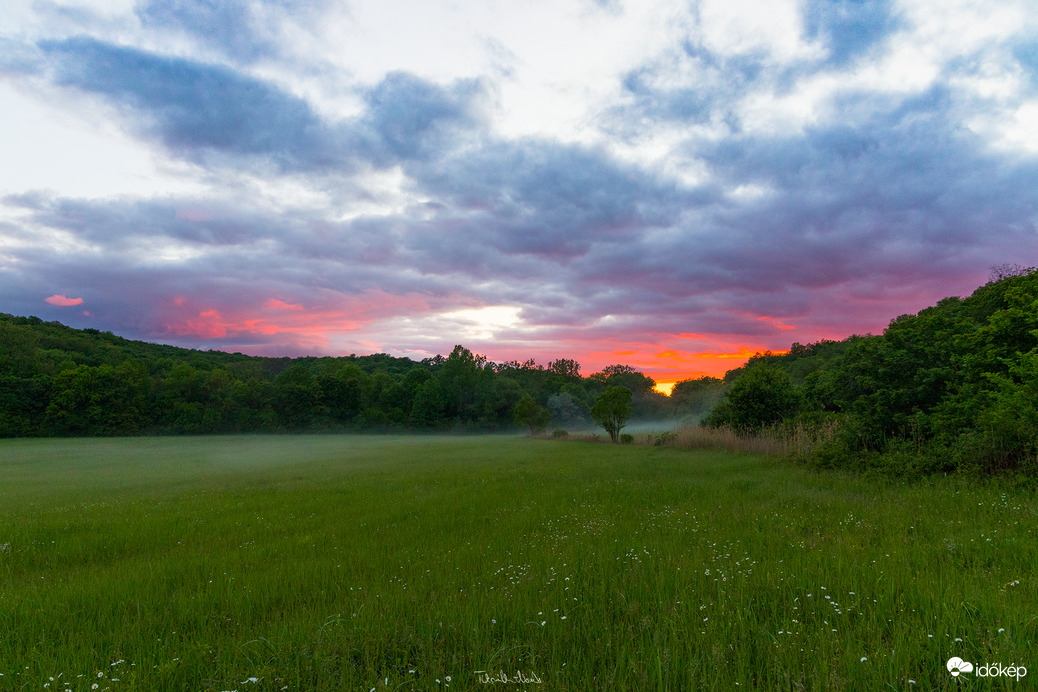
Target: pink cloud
209,324
58,299
275,304
292,326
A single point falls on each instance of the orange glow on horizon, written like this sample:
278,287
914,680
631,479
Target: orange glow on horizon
665,387
668,366
271,324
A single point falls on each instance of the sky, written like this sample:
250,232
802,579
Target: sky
673,185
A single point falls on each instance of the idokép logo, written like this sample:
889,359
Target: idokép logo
956,666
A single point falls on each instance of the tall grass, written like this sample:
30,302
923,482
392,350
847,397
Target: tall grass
796,441
352,563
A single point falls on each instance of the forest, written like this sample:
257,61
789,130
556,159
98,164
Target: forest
953,387
58,381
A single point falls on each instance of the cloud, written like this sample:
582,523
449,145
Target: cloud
850,28
197,109
719,193
62,301
275,304
206,113
413,117
18,58
228,25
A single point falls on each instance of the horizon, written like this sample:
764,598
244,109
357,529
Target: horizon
669,186
661,387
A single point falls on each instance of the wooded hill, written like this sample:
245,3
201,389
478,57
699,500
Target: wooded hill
953,387
58,381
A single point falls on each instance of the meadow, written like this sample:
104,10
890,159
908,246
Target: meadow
470,563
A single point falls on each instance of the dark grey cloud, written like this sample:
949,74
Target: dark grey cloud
891,165
208,112
416,119
534,197
195,109
896,202
886,198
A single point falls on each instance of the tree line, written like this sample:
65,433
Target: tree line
59,381
952,388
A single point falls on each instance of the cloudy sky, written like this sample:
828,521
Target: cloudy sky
668,184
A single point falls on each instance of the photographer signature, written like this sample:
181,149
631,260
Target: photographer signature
502,678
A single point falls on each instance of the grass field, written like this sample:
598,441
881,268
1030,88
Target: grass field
426,563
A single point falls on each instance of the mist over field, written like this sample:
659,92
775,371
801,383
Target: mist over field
424,562
565,345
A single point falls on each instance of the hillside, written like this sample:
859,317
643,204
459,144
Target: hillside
59,381
953,387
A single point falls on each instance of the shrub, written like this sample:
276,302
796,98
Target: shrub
529,412
761,396
665,438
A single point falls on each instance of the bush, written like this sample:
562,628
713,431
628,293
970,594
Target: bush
665,438
761,396
528,412
626,438
559,434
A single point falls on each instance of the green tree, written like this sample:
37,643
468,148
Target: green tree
297,397
565,410
612,409
761,396
427,409
501,404
74,407
130,386
696,397
344,392
529,412
458,376
566,367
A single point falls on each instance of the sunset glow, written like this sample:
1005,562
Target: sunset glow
669,186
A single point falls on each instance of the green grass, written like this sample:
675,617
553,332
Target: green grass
355,562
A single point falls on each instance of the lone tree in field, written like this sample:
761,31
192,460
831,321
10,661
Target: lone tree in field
612,409
529,412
